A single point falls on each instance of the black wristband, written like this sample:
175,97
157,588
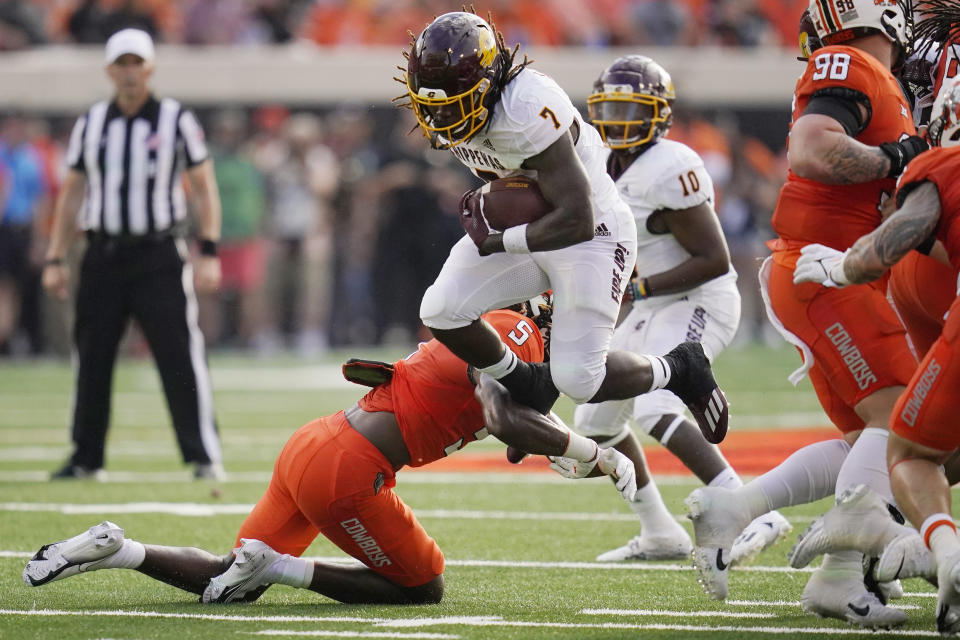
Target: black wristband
898,162
208,248
53,262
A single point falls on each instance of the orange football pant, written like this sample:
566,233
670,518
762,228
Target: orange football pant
922,289
329,479
926,412
858,343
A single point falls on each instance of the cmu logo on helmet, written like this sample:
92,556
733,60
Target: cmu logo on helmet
488,47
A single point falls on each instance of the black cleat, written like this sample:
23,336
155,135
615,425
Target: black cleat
72,471
515,455
692,381
530,384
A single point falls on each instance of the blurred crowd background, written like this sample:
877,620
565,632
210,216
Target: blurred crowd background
337,217
600,23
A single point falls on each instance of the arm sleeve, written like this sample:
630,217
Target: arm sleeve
74,156
843,105
191,132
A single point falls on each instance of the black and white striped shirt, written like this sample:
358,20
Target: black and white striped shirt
134,166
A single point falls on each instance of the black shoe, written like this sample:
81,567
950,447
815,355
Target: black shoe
692,381
72,471
530,384
515,455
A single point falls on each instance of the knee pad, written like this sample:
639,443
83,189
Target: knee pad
435,312
576,381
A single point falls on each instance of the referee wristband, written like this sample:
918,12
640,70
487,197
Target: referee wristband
515,239
208,248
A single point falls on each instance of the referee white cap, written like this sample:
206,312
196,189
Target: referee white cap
132,41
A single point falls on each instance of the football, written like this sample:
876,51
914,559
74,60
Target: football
509,202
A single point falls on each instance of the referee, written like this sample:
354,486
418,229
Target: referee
126,159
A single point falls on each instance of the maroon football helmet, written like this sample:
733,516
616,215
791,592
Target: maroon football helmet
451,72
631,103
808,36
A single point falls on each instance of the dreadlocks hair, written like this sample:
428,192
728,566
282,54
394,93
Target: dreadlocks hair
940,24
506,71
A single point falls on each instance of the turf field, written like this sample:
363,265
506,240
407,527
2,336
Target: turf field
519,541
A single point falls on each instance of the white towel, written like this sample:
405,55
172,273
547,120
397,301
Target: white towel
764,276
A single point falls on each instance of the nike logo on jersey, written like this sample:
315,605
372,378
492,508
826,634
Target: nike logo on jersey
860,611
720,563
904,112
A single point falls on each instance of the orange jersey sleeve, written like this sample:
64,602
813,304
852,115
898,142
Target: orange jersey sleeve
940,166
836,215
432,396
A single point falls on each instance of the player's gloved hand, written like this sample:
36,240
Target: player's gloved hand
822,265
621,469
610,462
472,220
902,152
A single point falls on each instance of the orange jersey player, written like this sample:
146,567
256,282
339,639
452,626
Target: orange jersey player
924,420
851,135
335,476
922,287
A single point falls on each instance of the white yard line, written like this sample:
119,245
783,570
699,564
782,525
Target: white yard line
488,622
531,564
348,634
202,509
796,603
674,614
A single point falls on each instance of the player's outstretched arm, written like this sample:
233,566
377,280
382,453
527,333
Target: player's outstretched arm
572,455
519,425
874,253
905,230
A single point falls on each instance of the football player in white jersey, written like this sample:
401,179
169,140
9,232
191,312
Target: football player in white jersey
501,119
685,290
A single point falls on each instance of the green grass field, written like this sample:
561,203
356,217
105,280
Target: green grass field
519,546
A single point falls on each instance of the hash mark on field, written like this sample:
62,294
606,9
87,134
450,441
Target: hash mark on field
675,614
493,622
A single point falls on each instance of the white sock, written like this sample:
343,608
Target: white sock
130,555
728,479
291,571
851,561
940,534
867,464
808,475
661,372
649,507
507,364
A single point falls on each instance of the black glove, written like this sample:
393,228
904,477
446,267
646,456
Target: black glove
471,218
902,152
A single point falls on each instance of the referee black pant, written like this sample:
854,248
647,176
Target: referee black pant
148,279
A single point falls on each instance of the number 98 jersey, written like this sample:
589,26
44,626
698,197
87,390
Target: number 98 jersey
807,211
